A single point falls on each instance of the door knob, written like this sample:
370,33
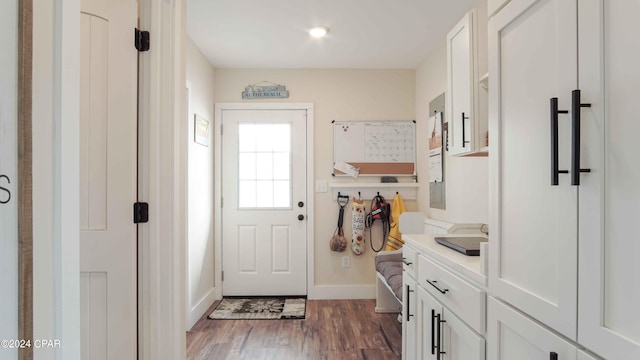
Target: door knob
300,217
300,204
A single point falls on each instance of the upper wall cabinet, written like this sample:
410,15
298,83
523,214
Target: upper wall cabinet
465,116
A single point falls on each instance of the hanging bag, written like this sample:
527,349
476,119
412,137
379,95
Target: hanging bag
358,214
338,242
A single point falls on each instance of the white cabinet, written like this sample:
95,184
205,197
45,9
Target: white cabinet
512,335
460,341
609,202
533,247
430,333
445,311
563,241
409,318
443,335
467,124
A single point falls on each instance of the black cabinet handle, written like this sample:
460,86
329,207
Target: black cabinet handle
576,105
554,141
408,308
433,331
438,337
553,356
433,283
404,260
464,132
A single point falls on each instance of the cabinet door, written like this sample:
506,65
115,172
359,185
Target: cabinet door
511,335
461,85
429,313
609,289
533,262
461,342
409,319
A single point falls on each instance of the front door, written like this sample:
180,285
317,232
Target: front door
264,183
108,78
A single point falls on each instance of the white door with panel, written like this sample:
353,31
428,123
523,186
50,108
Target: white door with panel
532,58
609,270
108,142
264,187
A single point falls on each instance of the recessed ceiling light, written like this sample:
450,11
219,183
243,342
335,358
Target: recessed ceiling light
318,31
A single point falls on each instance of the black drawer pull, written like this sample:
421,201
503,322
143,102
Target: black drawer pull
576,105
433,332
404,260
554,141
409,315
434,284
438,337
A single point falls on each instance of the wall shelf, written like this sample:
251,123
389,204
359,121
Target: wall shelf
408,191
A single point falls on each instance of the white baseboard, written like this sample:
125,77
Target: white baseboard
202,306
334,292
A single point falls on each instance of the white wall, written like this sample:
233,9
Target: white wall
337,95
466,177
8,175
200,253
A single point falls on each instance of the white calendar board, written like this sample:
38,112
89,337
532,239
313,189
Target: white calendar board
376,147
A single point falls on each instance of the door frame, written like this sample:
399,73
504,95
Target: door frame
219,107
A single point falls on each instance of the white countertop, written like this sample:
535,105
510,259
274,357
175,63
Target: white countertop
470,266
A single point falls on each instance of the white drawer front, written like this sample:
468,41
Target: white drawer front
410,260
462,298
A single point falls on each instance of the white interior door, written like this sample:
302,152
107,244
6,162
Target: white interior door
533,57
108,76
264,244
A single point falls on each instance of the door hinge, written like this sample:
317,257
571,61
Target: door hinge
141,41
140,212
222,275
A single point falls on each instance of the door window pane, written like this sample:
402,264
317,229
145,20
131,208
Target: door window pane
264,166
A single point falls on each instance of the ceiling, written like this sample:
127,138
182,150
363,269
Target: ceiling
364,34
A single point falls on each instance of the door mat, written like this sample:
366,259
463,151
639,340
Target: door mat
260,308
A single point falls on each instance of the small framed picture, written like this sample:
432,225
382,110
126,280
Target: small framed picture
201,130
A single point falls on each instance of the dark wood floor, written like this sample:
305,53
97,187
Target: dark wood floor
333,329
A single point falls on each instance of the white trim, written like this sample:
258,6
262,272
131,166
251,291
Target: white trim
310,180
56,305
334,292
201,307
162,142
